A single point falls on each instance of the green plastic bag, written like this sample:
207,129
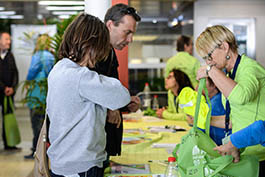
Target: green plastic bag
196,157
10,123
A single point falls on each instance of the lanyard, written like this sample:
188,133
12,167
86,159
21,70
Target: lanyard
227,104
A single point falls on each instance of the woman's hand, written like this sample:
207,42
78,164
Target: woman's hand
228,149
159,112
201,73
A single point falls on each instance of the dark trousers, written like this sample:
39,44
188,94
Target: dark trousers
92,172
37,119
3,131
262,168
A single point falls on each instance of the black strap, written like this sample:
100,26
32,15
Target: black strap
227,104
111,61
176,104
47,122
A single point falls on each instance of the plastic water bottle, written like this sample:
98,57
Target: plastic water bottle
172,170
147,97
155,104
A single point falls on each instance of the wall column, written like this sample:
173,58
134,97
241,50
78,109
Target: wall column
97,8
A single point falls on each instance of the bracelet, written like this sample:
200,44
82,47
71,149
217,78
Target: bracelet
209,67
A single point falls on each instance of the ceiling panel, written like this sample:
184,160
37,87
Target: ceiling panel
159,17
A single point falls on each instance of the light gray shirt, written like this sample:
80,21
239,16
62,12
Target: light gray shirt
77,104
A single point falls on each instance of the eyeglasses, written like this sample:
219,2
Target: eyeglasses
209,55
133,12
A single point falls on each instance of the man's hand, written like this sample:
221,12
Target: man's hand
114,117
9,91
228,149
159,112
134,105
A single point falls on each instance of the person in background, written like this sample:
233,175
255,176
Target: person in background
174,83
183,60
8,77
121,21
217,125
41,64
249,136
243,86
78,99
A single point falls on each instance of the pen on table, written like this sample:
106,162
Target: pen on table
161,162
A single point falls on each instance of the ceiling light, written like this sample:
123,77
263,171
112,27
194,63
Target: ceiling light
181,17
154,21
16,17
174,22
65,12
3,17
2,8
64,16
61,3
40,16
144,37
65,8
7,12
11,16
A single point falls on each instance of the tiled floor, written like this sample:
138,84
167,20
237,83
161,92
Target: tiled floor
12,164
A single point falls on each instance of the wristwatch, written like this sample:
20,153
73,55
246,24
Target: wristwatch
209,67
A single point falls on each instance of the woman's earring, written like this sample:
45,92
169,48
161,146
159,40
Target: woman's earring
227,57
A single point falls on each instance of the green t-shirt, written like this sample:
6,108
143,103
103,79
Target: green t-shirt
247,99
186,63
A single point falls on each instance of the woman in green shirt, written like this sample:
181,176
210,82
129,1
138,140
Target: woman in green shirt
243,86
174,83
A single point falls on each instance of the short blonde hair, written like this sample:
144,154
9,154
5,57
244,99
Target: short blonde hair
214,36
43,42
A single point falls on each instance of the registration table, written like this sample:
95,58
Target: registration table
149,140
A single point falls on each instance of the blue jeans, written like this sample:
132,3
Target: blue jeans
37,119
92,172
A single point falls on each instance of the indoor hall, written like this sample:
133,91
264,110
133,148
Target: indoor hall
163,21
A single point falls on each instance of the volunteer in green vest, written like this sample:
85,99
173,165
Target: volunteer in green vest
174,83
242,84
183,60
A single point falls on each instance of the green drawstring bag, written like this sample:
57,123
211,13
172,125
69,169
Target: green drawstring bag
10,123
196,157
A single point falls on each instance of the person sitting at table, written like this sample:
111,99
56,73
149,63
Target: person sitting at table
217,128
174,83
187,100
249,136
